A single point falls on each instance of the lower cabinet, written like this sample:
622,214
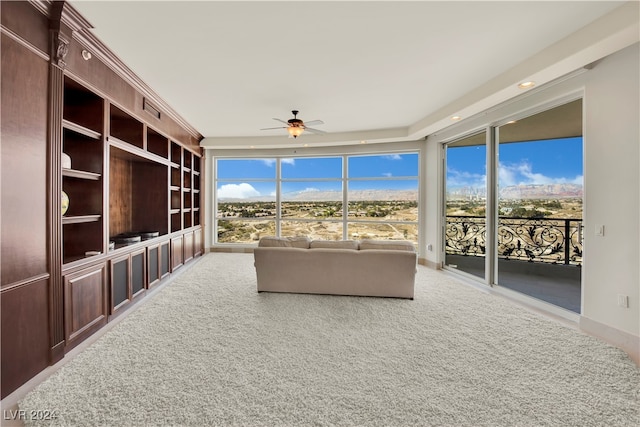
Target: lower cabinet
177,259
188,247
86,303
165,259
128,278
197,242
157,263
93,294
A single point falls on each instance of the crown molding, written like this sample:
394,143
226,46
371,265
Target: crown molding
81,32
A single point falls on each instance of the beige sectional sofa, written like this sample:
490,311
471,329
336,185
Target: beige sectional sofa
380,268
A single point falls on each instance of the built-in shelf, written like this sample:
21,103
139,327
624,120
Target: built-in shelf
80,129
134,150
80,219
72,173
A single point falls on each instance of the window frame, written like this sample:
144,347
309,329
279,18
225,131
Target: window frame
345,180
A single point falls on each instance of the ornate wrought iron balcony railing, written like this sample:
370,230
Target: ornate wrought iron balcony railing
554,241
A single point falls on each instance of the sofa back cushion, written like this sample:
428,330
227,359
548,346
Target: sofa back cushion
397,245
334,244
284,242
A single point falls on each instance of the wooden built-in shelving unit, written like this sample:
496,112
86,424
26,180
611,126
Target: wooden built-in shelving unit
134,168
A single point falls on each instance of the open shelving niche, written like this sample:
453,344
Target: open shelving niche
82,141
151,185
137,177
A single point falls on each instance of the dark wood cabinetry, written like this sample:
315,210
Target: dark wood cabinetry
134,167
85,299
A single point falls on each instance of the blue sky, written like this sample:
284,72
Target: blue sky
537,162
242,177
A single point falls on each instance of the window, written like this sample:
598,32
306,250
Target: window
311,198
245,199
383,197
316,197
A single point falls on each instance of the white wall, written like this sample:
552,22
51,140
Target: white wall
612,191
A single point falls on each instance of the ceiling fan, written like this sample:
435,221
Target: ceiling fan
295,126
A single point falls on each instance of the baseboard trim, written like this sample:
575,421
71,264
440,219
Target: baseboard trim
235,250
629,343
430,264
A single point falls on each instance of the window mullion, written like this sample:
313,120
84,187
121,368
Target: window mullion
345,199
278,195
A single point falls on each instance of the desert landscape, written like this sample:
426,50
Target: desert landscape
246,222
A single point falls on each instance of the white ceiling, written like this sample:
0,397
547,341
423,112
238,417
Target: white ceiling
378,71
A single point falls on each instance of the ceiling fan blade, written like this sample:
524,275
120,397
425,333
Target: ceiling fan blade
281,121
279,127
316,131
314,123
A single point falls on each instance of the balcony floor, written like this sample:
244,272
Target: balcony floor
555,284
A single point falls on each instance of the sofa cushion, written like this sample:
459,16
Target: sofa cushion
334,244
284,242
397,245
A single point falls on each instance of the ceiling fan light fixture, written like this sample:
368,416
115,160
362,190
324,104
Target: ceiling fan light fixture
295,131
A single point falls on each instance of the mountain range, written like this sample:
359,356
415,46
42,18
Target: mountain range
525,191
323,196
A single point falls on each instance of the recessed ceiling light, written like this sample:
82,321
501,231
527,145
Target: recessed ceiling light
510,122
305,145
526,85
455,118
363,142
252,146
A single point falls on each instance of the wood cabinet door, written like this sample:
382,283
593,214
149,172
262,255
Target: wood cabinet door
188,247
197,242
120,282
165,259
153,265
85,302
177,259
138,272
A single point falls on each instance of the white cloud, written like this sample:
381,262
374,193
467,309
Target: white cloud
523,174
309,190
387,174
237,191
272,162
393,157
456,178
509,174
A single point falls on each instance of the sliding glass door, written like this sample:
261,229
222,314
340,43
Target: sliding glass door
466,204
513,205
539,243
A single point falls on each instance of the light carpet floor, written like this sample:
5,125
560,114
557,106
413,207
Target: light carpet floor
209,350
